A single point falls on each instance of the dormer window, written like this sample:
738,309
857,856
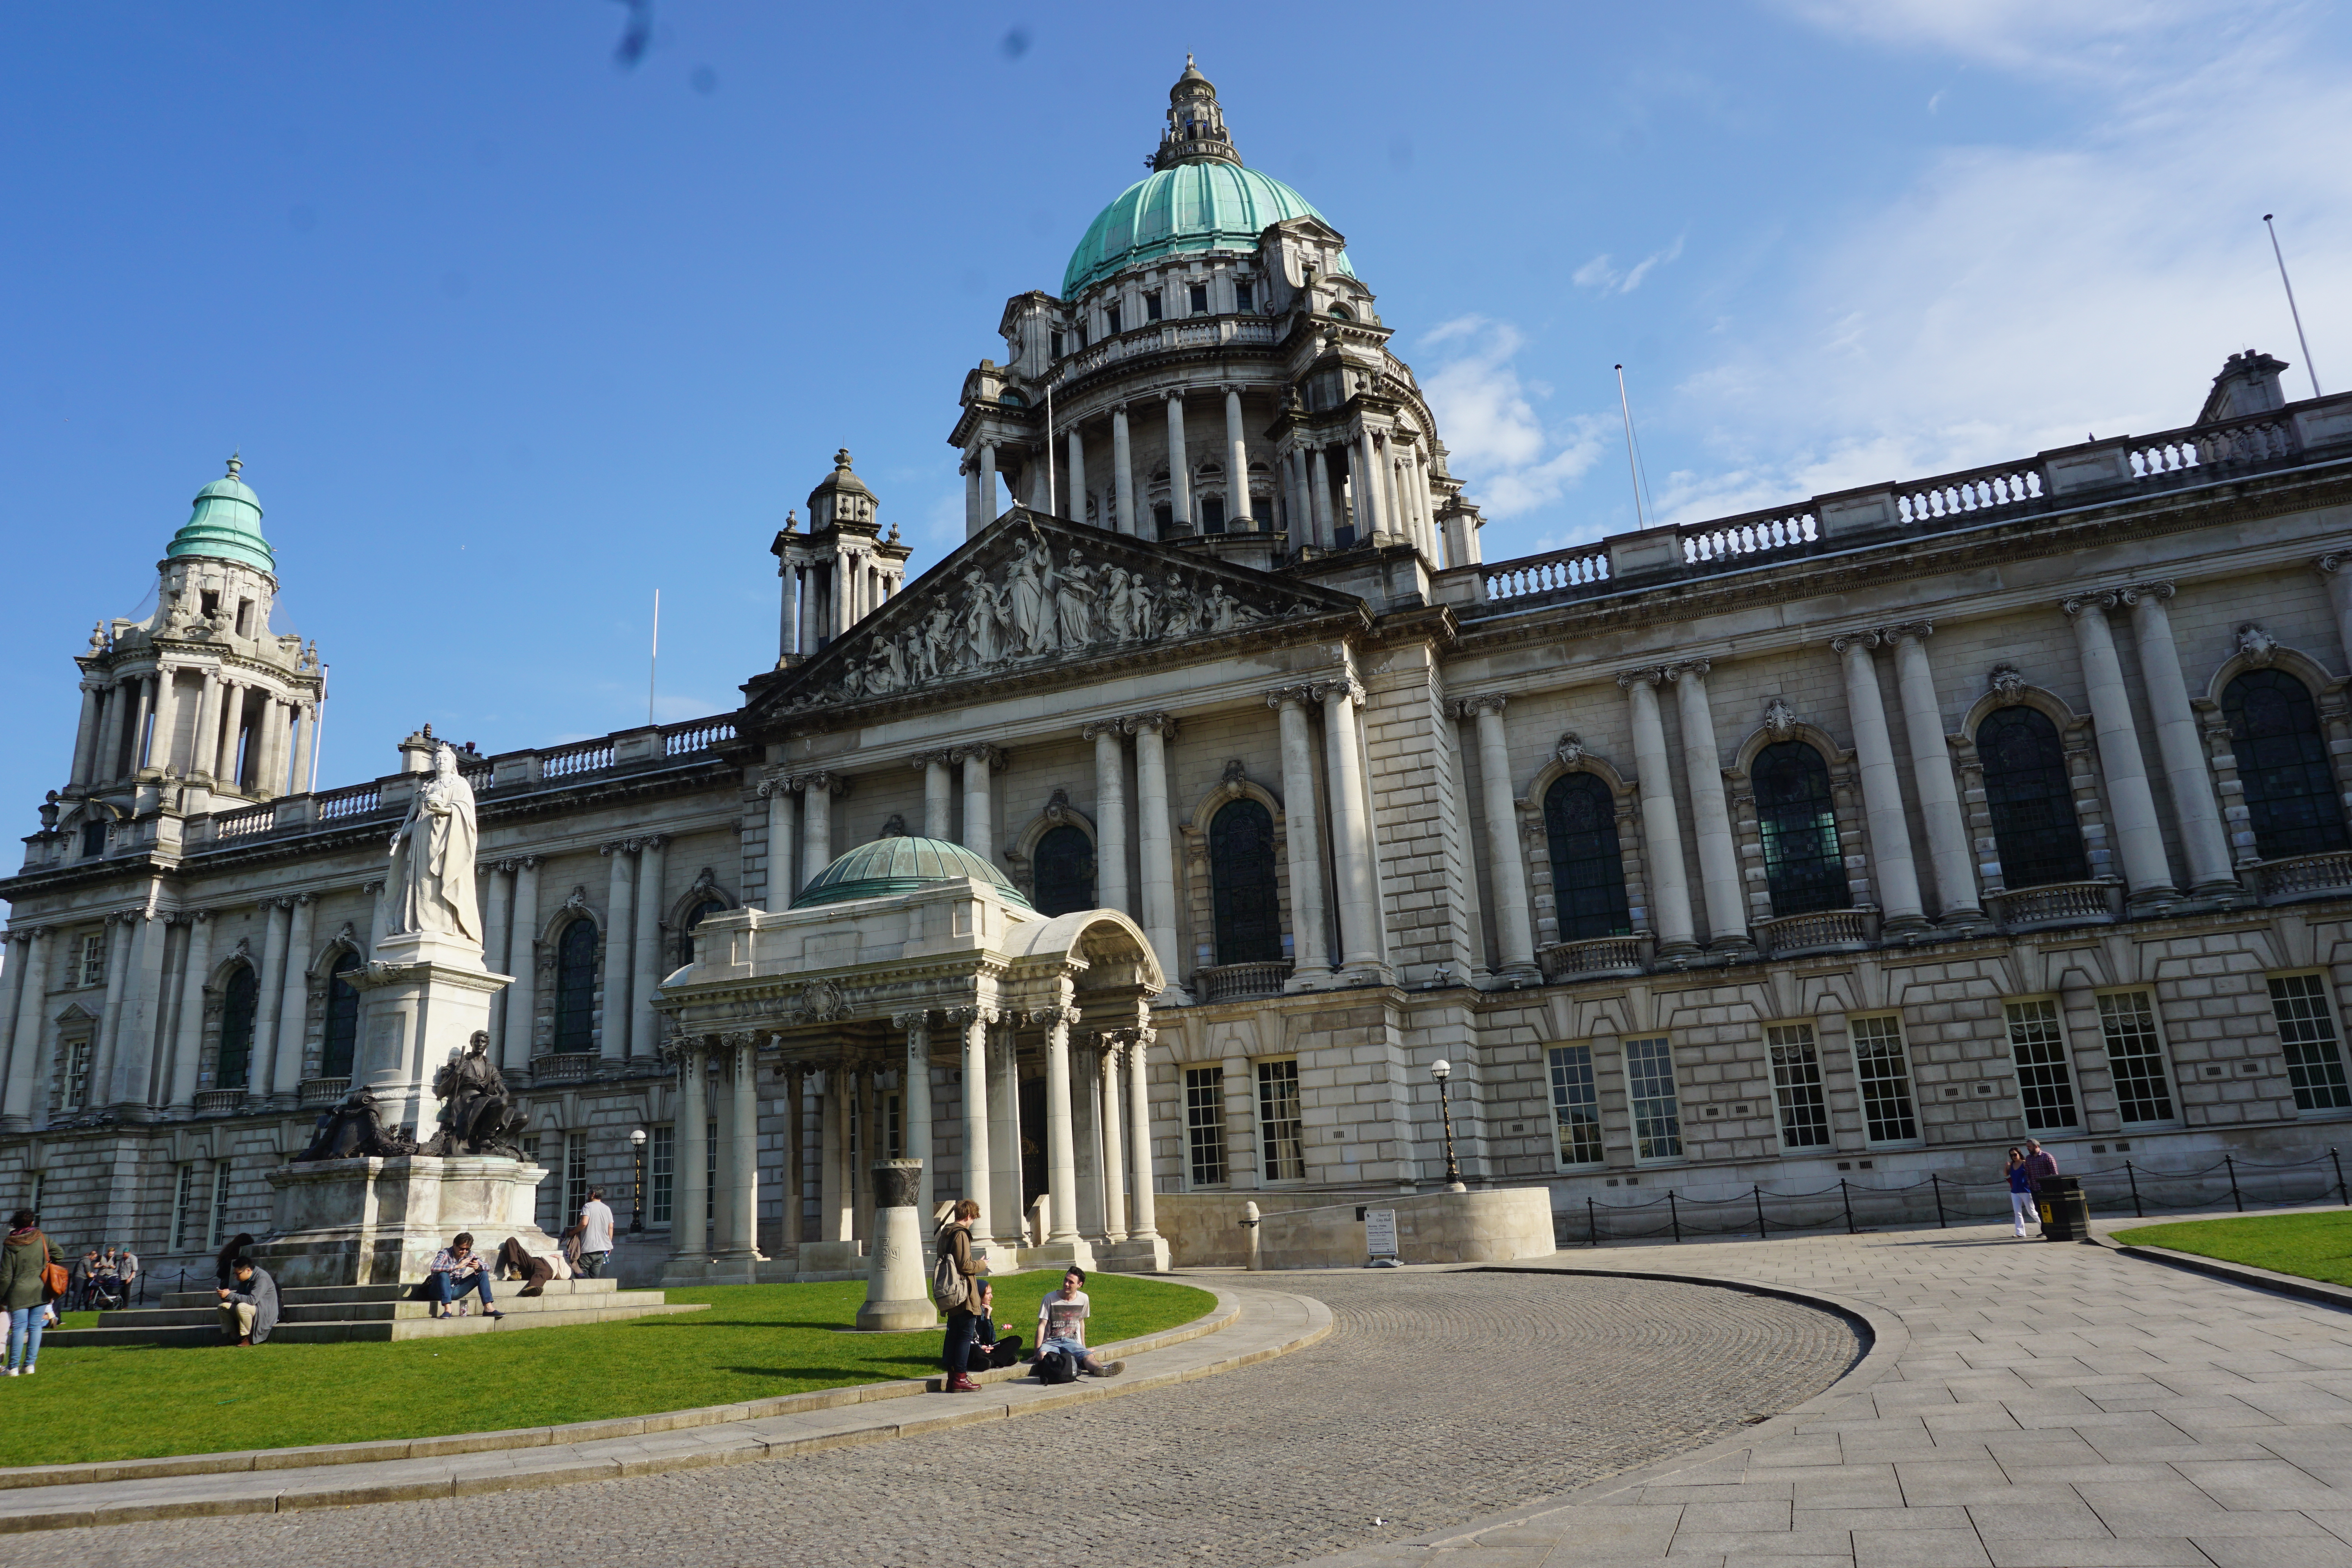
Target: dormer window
211,601
1243,297
245,617
1199,292
1110,320
1341,313
1152,307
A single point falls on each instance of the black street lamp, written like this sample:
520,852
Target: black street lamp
637,1160
1441,1069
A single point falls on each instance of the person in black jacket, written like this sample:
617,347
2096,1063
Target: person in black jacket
988,1349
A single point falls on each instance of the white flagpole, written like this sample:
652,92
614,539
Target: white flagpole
653,663
2309,368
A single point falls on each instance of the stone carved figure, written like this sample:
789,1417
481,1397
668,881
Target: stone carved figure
478,1115
430,888
355,1130
2259,647
2008,684
1779,719
1029,592
1074,594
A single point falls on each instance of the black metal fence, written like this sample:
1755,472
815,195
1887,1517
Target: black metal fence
1855,1206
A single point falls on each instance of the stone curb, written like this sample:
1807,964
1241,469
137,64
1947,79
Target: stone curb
2246,1274
1885,1340
687,1455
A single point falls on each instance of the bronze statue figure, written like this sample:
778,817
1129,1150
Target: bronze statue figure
478,1115
355,1129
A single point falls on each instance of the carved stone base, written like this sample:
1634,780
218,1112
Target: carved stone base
379,1222
425,996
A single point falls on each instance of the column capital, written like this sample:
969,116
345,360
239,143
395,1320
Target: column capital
372,890
1095,729
994,756
965,1017
2093,599
2152,592
652,841
772,782
1866,639
1346,685
1913,631
1696,668
818,783
1162,724
1651,675
1060,1015
919,1018
921,760
2335,561
1484,703
526,862
1291,696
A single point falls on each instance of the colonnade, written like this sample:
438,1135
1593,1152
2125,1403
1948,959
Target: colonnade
825,595
113,740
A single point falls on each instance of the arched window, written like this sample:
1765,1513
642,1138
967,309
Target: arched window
1240,875
1341,313
2030,803
1588,873
1798,823
1065,871
238,1012
575,988
2291,795
694,917
342,1017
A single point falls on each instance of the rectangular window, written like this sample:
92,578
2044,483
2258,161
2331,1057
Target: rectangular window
1797,1086
1152,307
1278,1120
710,1168
1575,1108
1883,1067
2135,1052
1213,514
1204,1125
1056,349
93,958
661,1174
1200,299
2314,1051
891,1149
1658,1110
216,1220
575,1175
94,838
183,1192
77,1085
1243,297
1110,319
2044,1082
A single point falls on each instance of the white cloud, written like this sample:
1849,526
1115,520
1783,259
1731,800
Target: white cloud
1487,417
2107,40
1601,274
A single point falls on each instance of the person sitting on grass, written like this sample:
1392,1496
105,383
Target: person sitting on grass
989,1350
249,1306
1062,1325
458,1271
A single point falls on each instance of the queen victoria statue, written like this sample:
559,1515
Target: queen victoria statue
430,889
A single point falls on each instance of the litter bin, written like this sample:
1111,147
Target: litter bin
2065,1212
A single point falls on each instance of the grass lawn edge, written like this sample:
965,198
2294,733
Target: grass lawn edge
2315,1244
1224,1310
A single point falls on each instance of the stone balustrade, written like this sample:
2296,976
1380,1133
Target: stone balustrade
1820,931
1594,956
2098,902
2305,876
1236,982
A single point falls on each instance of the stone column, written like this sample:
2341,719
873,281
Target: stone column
1061,1148
1897,880
915,1101
1661,832
1152,733
1238,516
1514,931
2336,568
971,512
1180,474
134,1026
743,1240
1310,937
690,1141
1931,770
188,1040
497,920
777,791
614,1043
1371,502
1005,1206
645,1026
232,724
979,815
373,893
120,928
112,702
520,1015
938,796
1122,459
989,503
293,1006
1351,830
788,606
817,791
1077,512
794,1102
1041,479
1319,500
203,743
265,1083
971,1025
304,736
1114,1162
832,1197
1143,1224
2139,842
2186,772
161,717
1719,860
1110,815
24,1041
94,703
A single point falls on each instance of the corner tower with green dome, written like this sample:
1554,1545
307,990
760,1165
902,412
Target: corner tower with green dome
1217,378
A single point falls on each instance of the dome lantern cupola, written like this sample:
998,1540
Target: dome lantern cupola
1196,125
226,525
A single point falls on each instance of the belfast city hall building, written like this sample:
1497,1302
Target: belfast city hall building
1142,856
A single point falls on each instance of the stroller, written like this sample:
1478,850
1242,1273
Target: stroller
105,1293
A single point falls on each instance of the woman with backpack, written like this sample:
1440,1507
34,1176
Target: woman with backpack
953,1283
26,1285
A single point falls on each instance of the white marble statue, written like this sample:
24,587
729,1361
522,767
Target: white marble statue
430,888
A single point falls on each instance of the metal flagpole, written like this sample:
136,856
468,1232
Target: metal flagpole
319,728
653,663
2309,368
1633,473
1051,504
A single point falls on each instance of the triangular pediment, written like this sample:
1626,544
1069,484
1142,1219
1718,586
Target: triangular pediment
1035,597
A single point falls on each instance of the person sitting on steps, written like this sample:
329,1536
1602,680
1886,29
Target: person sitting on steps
248,1305
459,1271
1062,1325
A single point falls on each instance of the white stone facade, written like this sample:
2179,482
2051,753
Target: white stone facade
1322,774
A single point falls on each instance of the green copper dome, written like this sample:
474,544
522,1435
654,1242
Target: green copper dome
901,865
226,525
1190,207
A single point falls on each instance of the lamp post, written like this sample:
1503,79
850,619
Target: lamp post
637,1160
1441,1069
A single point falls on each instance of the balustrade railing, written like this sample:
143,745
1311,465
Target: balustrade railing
319,1093
1583,566
219,1101
2305,876
570,762
1234,982
681,739
1753,534
1820,931
563,1067
354,800
2058,904
244,823
1594,955
1982,492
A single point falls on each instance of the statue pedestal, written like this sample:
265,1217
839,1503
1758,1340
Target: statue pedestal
423,996
898,1292
375,1221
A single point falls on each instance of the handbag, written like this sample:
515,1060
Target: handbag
55,1280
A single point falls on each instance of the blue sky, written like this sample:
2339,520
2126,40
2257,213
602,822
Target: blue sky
511,334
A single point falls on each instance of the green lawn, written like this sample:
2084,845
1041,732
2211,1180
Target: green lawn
755,1341
2315,1246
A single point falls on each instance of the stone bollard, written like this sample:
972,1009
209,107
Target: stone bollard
1250,1225
897,1294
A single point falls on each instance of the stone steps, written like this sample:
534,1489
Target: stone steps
332,1314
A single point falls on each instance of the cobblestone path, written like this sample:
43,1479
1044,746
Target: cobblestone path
1438,1398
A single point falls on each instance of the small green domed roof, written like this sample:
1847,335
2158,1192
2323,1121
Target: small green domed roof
901,864
1170,212
226,525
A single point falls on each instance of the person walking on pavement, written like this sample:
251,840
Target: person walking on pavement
2040,1167
25,1262
2020,1190
595,1234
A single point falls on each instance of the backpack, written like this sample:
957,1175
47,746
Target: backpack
1057,1367
949,1287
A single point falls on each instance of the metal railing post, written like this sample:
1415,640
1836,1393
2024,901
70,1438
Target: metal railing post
1759,1212
2340,1193
2234,1198
1846,1197
1592,1224
2133,1176
1937,1184
1674,1214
